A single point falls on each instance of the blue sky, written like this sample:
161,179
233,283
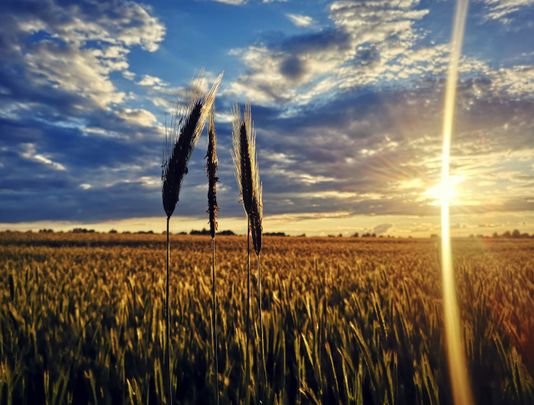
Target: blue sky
347,101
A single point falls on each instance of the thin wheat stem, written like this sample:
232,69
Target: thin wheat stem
247,360
167,321
214,321
257,381
262,352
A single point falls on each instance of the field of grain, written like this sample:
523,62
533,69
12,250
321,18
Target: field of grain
345,320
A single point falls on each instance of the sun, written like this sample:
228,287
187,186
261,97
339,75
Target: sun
445,192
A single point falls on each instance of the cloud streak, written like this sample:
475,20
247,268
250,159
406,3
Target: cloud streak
300,20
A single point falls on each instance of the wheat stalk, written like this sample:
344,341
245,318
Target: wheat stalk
183,134
247,174
211,168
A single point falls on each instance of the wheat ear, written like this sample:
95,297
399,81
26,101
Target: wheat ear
182,136
247,175
211,168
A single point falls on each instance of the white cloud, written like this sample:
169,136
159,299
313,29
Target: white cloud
516,81
29,152
151,81
504,10
73,70
138,116
365,43
128,75
75,47
300,20
372,44
232,2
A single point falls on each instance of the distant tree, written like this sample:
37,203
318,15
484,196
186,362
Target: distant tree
227,232
302,235
507,234
275,234
516,233
355,235
434,236
495,235
46,230
204,231
340,235
82,230
112,231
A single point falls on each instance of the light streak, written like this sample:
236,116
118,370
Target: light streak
461,388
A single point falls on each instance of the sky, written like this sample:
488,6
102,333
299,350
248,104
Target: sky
347,101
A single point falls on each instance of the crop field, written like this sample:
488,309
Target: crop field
346,320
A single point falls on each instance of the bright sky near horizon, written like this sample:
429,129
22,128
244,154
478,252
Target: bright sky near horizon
347,99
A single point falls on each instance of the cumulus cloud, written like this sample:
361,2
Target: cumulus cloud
379,43
138,116
366,40
71,50
63,115
151,81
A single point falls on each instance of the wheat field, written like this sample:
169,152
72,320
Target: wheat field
346,320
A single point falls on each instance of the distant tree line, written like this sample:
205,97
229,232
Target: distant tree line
205,231
514,234
82,230
370,235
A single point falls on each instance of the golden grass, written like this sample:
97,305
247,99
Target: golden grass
83,319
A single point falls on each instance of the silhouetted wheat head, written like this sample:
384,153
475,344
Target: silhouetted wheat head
185,129
185,133
211,167
247,172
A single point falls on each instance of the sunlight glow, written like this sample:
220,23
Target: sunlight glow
461,388
446,191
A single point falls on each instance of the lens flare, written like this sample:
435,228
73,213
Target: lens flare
459,376
445,192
